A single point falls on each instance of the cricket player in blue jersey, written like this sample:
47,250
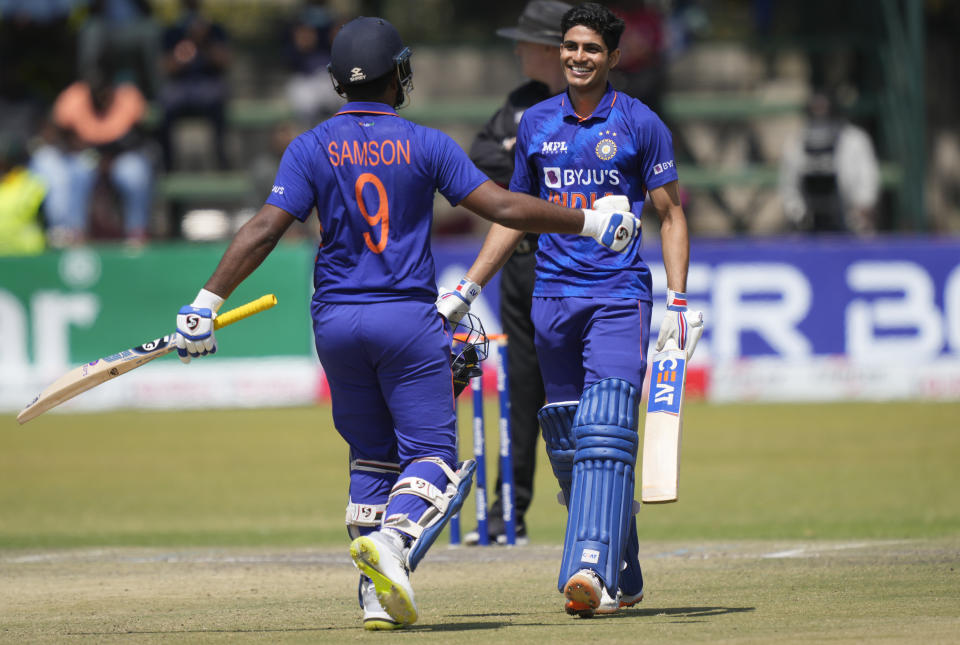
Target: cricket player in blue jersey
588,147
371,176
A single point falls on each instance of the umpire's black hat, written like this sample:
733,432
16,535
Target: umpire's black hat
539,23
363,50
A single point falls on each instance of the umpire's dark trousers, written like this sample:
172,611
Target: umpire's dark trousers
523,372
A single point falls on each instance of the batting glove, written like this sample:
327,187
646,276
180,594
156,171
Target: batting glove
453,305
680,326
611,223
194,336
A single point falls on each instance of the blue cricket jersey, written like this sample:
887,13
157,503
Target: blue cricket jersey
372,177
623,148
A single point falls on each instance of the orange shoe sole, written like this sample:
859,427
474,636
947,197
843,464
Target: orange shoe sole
581,595
578,609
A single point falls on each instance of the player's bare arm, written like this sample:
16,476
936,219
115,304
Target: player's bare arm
496,250
249,248
522,212
251,245
680,326
674,238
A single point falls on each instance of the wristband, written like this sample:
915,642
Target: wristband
676,301
468,290
207,300
593,223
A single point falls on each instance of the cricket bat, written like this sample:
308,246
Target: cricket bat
663,425
80,379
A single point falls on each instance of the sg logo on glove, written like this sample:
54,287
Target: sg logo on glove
192,322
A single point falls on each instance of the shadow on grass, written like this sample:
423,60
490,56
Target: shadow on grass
457,627
460,627
490,614
685,613
238,630
681,612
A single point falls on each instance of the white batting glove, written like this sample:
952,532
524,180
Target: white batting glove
682,327
453,305
612,203
194,337
611,223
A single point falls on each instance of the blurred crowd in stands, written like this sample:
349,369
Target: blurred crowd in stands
92,93
75,96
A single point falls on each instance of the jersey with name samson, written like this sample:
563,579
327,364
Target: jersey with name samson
623,148
372,177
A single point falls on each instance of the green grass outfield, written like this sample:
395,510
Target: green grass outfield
796,523
278,477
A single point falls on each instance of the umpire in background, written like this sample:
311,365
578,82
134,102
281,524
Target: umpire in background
538,38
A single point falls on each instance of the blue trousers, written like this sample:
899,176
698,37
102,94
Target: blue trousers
388,366
583,340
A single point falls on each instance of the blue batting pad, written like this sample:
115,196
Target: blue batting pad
601,502
631,578
556,422
422,544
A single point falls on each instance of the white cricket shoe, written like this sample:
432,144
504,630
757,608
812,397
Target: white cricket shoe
610,605
584,592
381,558
374,616
628,600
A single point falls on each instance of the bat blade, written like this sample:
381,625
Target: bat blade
80,379
663,427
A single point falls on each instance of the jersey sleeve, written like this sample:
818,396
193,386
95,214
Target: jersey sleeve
524,178
657,166
292,190
455,174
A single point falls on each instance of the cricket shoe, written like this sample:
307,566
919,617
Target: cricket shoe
375,618
584,592
380,557
610,605
627,599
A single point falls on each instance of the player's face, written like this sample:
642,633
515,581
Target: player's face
585,58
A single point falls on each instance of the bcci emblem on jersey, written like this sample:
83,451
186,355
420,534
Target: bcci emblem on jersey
606,149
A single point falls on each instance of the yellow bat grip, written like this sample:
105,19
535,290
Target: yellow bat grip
243,311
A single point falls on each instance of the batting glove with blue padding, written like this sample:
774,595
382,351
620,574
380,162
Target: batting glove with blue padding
454,304
195,336
682,326
611,223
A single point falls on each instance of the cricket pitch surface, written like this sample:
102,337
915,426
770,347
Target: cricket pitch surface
769,591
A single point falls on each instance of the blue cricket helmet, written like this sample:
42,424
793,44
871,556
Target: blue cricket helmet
366,49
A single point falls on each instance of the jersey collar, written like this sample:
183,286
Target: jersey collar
607,101
366,107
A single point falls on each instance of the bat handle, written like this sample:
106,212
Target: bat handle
243,311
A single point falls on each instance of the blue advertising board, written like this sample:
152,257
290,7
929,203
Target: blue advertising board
804,318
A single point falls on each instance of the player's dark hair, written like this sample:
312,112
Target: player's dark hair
596,17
